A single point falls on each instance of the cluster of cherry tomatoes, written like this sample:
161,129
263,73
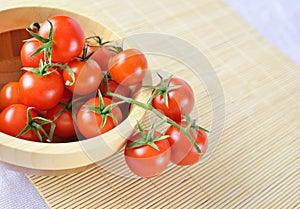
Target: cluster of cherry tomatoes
67,87
58,63
149,152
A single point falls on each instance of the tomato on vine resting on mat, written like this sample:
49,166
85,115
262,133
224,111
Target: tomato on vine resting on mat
128,67
147,153
9,95
182,151
174,97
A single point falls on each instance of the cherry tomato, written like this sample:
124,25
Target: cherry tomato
28,48
68,37
88,76
146,161
129,67
41,92
9,95
102,55
13,119
89,122
182,151
180,100
63,120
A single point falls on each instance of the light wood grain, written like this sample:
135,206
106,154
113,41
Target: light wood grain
256,163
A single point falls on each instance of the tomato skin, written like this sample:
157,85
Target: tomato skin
145,161
65,126
89,122
9,95
67,96
182,151
68,37
102,55
180,100
41,92
115,87
88,76
57,139
13,119
28,48
129,67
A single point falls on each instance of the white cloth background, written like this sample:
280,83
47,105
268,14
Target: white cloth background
277,20
17,192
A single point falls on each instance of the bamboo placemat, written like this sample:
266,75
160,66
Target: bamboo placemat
256,163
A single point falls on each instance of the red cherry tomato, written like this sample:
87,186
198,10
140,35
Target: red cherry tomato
146,161
182,151
180,100
13,119
89,122
9,95
63,120
88,76
68,37
41,92
28,48
129,67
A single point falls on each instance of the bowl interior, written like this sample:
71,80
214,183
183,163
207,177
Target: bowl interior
10,63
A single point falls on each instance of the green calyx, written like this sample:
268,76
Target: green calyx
44,69
99,43
85,57
66,108
36,124
147,138
47,42
162,89
192,125
104,111
98,40
35,26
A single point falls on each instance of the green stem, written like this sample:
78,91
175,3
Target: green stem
153,95
159,114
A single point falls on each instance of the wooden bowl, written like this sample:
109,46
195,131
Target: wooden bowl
56,158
